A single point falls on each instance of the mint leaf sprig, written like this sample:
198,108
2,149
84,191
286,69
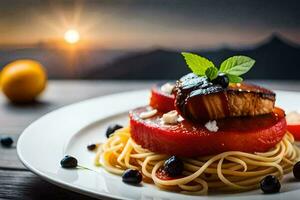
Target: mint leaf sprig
233,67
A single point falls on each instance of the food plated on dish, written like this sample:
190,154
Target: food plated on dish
207,132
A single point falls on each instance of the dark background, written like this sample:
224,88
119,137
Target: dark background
133,39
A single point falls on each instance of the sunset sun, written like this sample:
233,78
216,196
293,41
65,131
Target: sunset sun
72,36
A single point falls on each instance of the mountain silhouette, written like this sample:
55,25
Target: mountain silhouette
276,58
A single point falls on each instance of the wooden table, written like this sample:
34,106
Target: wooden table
16,182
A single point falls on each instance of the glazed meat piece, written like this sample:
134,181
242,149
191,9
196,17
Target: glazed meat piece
198,99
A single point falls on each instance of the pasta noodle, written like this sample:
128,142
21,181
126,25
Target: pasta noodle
227,171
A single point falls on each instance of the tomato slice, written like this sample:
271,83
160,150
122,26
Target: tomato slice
161,101
295,130
247,134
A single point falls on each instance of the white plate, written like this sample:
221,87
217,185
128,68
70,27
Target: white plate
68,130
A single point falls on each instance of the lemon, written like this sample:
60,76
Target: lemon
23,80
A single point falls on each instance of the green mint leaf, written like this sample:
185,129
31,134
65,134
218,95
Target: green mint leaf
237,65
196,63
234,78
211,73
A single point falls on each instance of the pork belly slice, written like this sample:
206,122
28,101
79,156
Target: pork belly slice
198,99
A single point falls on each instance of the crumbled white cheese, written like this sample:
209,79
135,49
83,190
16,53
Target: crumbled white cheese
293,118
167,88
147,114
170,117
180,118
212,126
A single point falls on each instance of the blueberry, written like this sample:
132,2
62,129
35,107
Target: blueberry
270,184
68,162
173,166
132,176
296,170
222,80
112,128
7,141
91,147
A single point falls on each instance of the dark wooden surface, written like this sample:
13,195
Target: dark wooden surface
16,182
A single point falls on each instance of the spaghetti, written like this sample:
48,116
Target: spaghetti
227,171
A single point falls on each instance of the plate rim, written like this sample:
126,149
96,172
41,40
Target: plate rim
55,181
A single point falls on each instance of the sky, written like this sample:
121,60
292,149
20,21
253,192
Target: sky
134,24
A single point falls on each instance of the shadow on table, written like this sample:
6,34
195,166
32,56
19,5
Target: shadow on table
40,189
34,105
